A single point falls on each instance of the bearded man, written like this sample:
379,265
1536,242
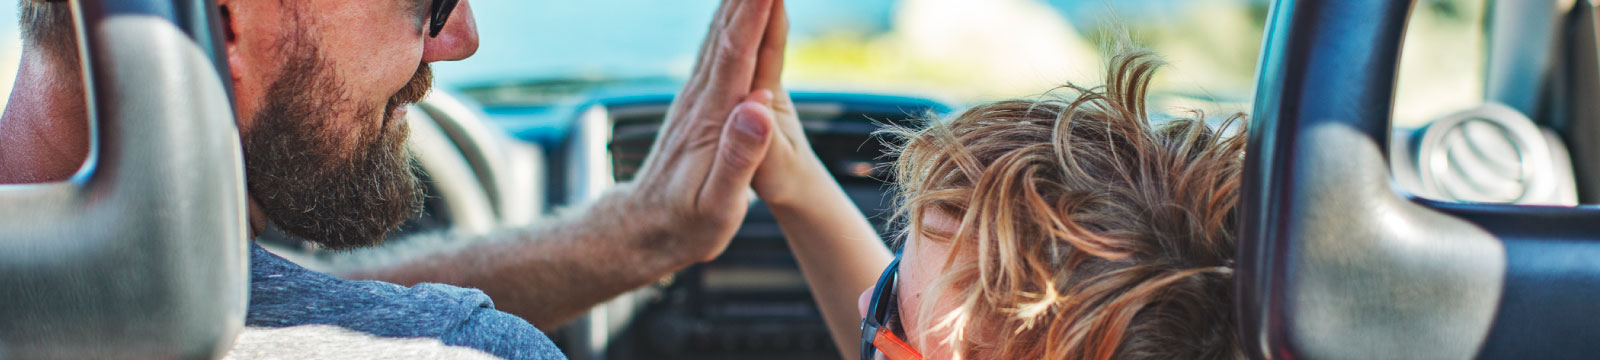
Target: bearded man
321,89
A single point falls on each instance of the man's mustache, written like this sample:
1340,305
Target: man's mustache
416,89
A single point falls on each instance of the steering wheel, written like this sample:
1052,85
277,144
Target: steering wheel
1335,262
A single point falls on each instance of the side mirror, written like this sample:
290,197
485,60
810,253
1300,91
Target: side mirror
143,253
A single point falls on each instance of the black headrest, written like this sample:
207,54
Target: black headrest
143,253
1335,262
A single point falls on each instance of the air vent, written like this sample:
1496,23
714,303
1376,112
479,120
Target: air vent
843,141
631,139
1492,154
1480,160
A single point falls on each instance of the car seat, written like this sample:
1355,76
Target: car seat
142,254
1337,262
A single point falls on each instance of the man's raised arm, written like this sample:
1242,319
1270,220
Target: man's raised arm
683,208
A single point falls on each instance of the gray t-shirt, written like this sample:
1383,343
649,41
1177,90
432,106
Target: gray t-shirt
284,294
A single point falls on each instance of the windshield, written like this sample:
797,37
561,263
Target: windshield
959,51
963,52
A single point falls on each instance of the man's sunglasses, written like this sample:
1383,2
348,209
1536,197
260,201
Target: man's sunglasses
437,14
876,336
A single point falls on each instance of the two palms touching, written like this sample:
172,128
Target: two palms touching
717,140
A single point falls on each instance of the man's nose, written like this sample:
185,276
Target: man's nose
458,40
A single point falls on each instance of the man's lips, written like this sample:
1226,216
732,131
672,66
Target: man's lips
399,112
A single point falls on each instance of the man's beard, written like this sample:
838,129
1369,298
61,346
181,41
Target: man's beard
304,175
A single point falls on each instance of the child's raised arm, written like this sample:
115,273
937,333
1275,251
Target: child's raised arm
838,250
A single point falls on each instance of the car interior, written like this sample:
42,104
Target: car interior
752,301
1473,236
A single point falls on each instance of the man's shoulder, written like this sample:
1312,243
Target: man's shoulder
284,294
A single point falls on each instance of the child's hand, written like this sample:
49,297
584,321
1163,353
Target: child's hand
791,170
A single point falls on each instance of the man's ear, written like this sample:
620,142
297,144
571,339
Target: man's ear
230,38
233,21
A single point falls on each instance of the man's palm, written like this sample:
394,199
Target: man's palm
716,134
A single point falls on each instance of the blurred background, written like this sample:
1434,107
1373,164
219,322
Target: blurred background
959,51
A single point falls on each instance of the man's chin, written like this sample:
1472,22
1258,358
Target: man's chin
344,245
306,176
310,192
358,233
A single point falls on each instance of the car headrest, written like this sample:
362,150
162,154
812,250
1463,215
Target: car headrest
1335,262
143,253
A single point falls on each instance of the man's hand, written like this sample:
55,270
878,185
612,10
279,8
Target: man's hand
716,134
683,206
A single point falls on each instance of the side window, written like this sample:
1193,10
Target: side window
10,49
1454,139
1441,61
45,143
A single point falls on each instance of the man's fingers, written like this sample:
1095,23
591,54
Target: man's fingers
718,21
734,63
704,89
739,152
769,66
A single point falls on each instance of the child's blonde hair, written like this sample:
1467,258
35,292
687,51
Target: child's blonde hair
1098,234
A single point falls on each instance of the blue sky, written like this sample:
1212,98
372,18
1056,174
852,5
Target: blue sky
537,39
547,39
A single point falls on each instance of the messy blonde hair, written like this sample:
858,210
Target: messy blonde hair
1097,234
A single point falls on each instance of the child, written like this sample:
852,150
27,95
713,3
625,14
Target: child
1050,228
